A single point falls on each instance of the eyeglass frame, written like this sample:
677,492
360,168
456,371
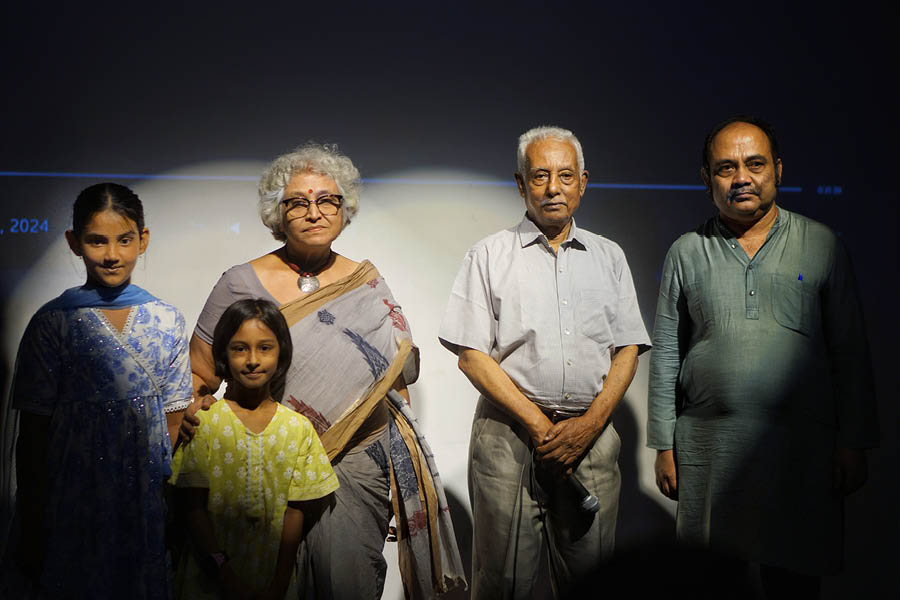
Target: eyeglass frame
300,200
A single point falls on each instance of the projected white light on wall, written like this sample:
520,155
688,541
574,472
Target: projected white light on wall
414,231
415,226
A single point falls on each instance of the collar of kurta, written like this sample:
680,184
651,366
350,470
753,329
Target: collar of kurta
529,234
780,219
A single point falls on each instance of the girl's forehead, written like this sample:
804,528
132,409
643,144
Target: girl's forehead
110,222
254,327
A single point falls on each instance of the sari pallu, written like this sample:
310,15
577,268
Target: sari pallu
351,344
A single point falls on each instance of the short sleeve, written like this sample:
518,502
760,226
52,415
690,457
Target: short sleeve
469,320
313,476
411,366
190,466
628,328
231,287
178,384
38,362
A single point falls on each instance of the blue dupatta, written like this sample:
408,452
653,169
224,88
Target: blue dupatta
94,296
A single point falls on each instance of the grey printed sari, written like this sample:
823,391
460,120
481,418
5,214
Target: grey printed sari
351,344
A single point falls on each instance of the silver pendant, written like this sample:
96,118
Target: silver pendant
308,283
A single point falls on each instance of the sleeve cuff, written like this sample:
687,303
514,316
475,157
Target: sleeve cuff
177,405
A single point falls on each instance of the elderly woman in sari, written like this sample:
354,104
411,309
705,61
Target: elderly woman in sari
353,358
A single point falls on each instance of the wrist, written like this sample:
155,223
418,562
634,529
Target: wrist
595,419
537,425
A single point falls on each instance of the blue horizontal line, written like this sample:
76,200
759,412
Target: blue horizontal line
423,181
645,186
669,187
370,180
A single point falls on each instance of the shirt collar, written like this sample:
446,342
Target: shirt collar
780,220
529,234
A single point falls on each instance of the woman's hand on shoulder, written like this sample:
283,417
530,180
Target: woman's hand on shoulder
190,421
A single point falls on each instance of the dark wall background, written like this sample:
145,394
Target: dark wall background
157,87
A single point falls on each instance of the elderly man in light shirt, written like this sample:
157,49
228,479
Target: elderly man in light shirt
545,321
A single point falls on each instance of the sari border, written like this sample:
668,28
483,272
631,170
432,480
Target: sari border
335,438
428,500
298,309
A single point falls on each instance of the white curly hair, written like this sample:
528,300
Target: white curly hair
322,159
545,132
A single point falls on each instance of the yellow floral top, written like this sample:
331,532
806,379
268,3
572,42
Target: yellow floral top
250,477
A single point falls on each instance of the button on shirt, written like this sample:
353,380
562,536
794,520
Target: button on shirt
772,338
551,320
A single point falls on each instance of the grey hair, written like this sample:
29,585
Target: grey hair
322,159
545,132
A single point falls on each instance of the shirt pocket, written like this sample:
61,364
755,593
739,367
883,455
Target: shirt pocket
794,305
596,309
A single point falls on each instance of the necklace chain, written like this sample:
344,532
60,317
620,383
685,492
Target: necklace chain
307,272
308,282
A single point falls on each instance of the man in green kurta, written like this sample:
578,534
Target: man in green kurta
761,397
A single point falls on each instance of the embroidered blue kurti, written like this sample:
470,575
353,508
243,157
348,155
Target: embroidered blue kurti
106,393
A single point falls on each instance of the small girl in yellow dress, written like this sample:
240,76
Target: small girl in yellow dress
251,467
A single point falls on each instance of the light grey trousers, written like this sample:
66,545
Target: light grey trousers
518,513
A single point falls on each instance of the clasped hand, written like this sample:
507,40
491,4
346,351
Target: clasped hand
564,443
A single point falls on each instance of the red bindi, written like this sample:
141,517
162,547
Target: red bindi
309,191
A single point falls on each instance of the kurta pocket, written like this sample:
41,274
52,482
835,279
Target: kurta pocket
793,306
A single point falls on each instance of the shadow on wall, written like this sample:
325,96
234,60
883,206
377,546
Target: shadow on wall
462,526
645,532
643,523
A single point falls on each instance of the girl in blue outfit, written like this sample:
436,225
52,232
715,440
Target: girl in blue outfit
102,378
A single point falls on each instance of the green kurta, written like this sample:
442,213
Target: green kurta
760,368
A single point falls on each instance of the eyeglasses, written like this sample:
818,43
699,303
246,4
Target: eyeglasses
328,205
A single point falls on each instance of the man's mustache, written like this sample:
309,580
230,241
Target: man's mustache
550,201
743,190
